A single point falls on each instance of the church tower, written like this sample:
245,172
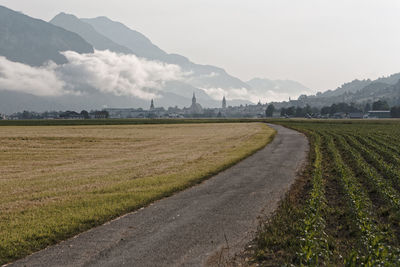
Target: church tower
224,103
193,100
195,108
152,105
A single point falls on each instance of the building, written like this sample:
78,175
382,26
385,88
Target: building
124,113
379,114
103,114
71,115
356,115
194,111
195,108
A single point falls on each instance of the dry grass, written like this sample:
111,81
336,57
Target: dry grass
56,181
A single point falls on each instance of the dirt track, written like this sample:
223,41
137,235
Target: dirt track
201,225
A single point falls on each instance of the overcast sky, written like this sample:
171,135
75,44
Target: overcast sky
320,43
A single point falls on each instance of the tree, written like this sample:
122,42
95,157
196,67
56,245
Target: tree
325,110
308,110
395,112
380,105
26,115
291,111
299,112
270,110
333,109
85,114
283,112
367,107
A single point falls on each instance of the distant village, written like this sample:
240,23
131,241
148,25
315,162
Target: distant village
378,109
195,110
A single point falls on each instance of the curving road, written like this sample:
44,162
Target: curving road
199,226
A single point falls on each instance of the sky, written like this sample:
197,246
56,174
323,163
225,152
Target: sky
320,43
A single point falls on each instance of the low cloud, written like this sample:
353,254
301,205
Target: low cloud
119,74
42,81
248,94
231,93
234,93
105,71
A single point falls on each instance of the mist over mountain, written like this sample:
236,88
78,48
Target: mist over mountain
277,90
11,101
140,43
203,76
34,42
200,79
100,63
98,79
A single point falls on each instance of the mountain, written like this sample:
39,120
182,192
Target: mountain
357,85
33,41
104,33
203,76
358,92
86,31
349,87
392,79
135,41
100,42
279,86
378,90
277,90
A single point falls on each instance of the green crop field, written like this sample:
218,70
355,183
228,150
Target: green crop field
345,207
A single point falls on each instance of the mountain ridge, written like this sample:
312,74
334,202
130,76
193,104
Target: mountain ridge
358,92
34,41
134,40
87,32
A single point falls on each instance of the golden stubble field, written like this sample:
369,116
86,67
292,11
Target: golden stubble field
56,181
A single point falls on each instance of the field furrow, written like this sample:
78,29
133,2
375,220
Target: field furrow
356,200
388,170
374,249
382,186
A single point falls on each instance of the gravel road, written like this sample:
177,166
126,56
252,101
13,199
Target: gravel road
199,226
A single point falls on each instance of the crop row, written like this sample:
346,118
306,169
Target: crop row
376,159
393,152
381,185
376,253
314,243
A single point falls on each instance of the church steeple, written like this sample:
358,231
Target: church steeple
223,102
193,99
152,104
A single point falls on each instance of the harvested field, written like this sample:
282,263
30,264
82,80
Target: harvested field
56,181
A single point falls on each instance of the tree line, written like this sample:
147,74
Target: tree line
308,111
